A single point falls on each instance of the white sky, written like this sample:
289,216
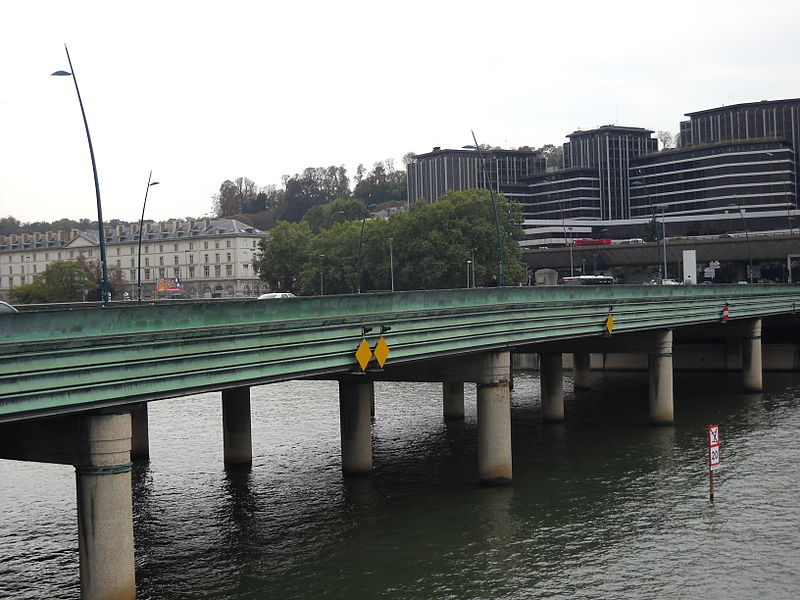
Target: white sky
201,92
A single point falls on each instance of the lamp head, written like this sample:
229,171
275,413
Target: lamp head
61,74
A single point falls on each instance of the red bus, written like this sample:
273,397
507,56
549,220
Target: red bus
591,242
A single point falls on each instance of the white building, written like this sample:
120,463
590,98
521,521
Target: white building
207,257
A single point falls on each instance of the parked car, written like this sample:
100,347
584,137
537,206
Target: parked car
669,282
275,295
5,307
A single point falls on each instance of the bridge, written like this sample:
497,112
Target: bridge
75,382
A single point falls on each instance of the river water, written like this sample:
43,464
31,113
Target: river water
602,506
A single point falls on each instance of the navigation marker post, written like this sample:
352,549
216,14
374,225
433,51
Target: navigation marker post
713,457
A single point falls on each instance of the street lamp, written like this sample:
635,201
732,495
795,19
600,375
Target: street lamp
472,252
655,221
321,279
141,225
360,241
566,241
501,278
786,199
738,207
469,264
101,230
391,263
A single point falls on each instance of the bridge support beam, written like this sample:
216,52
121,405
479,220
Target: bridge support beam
140,433
552,387
660,366
494,419
752,375
236,429
105,508
355,401
453,399
581,370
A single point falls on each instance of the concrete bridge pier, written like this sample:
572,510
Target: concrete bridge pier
105,508
552,387
98,445
494,418
660,366
752,374
453,400
355,401
236,432
581,370
140,433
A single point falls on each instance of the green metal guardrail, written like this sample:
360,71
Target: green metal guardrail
70,359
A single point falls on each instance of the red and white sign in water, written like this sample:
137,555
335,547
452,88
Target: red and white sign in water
713,447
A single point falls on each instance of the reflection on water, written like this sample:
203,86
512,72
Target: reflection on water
603,505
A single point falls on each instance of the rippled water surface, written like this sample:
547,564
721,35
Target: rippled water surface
602,506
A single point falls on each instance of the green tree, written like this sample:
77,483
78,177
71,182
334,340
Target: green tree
61,281
282,255
314,186
382,184
325,216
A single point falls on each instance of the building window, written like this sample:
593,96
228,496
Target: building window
191,245
119,251
176,248
206,271
34,268
119,263
146,262
161,247
161,273
205,245
216,243
191,259
176,260
205,256
133,275
131,251
133,262
229,257
216,257
191,272
161,260
71,253
147,273
59,256
228,270
91,252
246,267
227,243
217,270
177,272
254,243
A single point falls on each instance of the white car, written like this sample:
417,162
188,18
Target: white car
669,282
274,295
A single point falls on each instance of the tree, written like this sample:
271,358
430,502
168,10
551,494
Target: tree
236,197
314,186
10,225
282,255
61,281
666,138
382,184
116,280
325,216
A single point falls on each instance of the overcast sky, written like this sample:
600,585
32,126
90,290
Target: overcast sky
201,92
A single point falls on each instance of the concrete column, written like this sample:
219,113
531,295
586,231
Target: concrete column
660,365
355,426
552,387
581,370
140,433
453,399
494,419
105,508
752,375
236,436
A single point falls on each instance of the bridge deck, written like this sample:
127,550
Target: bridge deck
52,362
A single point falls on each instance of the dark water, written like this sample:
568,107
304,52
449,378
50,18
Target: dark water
603,506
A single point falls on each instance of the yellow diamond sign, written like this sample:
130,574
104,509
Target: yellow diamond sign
382,351
363,354
610,323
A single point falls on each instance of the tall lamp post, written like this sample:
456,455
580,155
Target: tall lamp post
100,228
472,252
502,277
391,263
567,242
738,207
360,242
150,184
655,221
321,277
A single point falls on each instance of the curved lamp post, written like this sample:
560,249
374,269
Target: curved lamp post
502,277
100,227
391,263
321,276
663,227
141,225
738,207
360,241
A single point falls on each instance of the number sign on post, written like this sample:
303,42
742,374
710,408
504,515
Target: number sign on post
713,456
